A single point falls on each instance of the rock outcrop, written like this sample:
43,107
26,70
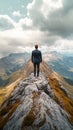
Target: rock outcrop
33,105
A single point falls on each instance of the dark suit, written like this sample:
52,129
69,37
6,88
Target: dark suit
36,58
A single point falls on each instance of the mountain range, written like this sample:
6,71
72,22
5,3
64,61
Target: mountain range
62,64
12,64
36,103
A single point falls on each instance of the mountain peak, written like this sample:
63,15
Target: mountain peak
37,103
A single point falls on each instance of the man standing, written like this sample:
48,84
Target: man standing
36,58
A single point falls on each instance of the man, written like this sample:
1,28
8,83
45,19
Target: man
36,58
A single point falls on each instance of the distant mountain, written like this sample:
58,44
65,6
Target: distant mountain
10,64
69,81
37,103
62,64
51,56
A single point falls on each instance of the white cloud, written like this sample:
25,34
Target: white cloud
25,23
46,15
28,35
55,16
6,22
49,6
19,41
48,22
62,46
16,13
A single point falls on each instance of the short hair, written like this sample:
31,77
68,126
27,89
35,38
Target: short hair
36,46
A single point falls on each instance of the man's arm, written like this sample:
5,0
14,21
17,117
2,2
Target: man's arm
40,57
32,57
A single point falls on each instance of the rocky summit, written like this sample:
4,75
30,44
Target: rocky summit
35,105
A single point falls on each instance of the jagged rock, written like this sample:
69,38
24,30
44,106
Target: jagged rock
38,110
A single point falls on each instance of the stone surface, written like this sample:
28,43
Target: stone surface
38,109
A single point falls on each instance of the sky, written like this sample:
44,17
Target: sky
24,23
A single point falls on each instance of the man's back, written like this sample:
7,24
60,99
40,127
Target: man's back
36,56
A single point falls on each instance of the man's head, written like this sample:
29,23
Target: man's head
36,46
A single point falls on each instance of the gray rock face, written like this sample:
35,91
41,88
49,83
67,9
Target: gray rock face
38,109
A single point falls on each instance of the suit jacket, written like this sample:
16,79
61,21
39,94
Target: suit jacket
36,56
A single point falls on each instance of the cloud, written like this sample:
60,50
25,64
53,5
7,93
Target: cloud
67,5
25,23
6,23
48,23
62,46
16,13
54,16
20,41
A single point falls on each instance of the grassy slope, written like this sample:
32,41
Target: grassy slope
14,79
60,96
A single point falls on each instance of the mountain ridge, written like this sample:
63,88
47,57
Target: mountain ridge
28,69
38,103
10,64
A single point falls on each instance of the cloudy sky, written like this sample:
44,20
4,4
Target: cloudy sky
26,22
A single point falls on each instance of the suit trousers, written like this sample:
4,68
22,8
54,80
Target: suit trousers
36,68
